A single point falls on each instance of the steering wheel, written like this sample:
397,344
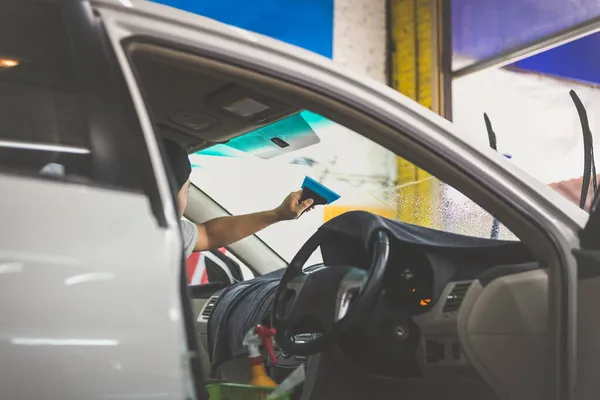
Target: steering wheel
328,300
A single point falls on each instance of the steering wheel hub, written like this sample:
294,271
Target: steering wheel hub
328,301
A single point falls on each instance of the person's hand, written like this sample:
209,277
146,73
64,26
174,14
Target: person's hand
291,208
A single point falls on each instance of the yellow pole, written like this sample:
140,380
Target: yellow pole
415,52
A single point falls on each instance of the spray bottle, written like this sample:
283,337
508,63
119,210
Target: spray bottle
253,339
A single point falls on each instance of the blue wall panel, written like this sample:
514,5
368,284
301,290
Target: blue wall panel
304,23
483,28
579,60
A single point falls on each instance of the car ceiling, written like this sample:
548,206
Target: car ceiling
194,107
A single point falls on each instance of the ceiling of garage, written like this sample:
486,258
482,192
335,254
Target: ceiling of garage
485,28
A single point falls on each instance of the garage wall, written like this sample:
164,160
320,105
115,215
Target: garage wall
307,23
359,44
351,32
360,36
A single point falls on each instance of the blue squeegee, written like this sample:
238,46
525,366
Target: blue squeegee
321,195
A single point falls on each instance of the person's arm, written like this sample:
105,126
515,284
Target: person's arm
223,231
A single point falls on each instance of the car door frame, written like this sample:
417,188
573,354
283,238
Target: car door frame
531,210
90,271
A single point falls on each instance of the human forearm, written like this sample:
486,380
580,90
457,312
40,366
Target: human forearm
223,231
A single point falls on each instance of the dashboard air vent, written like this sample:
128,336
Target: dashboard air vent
456,296
208,308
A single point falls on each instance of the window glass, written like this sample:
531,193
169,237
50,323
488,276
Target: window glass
43,129
242,180
246,272
209,266
249,150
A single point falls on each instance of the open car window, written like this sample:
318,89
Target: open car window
250,149
242,182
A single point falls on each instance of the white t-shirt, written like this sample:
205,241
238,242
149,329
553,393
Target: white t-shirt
190,236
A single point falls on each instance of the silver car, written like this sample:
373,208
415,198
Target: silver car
93,299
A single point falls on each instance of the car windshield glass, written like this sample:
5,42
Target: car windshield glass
251,174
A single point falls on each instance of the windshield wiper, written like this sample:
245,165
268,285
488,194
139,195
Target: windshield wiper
490,132
494,145
589,164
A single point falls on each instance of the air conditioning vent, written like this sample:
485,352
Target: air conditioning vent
208,308
456,296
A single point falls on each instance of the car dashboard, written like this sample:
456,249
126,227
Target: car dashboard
431,285
452,309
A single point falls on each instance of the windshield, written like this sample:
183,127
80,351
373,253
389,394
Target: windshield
246,176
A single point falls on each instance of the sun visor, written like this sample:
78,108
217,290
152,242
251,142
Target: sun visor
279,138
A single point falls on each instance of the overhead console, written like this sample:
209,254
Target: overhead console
196,106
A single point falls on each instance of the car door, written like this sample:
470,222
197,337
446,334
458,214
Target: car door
90,250
532,211
588,324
